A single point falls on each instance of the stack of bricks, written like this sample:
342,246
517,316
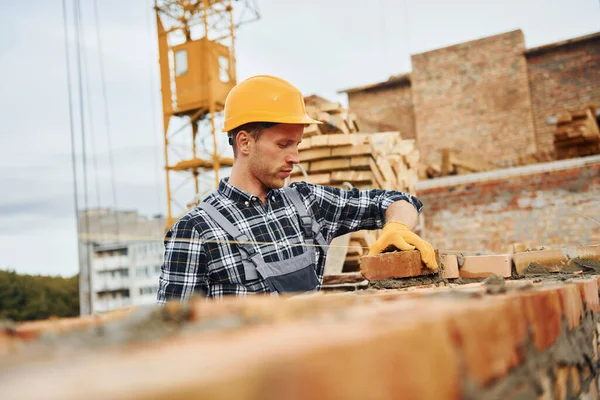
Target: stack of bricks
528,338
577,133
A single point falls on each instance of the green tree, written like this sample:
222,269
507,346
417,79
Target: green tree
33,297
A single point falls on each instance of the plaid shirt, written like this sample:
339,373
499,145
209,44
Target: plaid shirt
199,257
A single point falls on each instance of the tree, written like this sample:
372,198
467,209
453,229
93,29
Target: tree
33,297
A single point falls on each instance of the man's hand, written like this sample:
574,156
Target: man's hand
397,234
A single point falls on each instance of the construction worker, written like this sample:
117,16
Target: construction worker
256,235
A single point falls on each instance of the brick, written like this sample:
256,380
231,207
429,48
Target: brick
490,333
485,266
397,264
588,289
571,304
358,356
449,266
544,314
565,259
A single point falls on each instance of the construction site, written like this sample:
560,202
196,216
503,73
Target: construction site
501,144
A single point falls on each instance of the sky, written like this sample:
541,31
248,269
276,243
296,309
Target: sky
321,46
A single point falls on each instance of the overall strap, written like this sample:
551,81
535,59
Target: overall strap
248,251
311,227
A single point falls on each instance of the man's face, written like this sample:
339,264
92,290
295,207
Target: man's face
273,156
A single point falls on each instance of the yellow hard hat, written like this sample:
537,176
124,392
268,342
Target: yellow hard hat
265,98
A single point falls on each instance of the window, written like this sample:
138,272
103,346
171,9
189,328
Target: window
181,62
223,69
148,290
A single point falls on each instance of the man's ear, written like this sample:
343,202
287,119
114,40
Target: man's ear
243,140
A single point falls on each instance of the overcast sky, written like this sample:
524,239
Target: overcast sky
321,46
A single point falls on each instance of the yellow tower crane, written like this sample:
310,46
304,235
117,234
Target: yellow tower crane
197,70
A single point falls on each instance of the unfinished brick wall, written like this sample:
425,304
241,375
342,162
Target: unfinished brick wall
540,209
474,97
510,340
387,108
562,77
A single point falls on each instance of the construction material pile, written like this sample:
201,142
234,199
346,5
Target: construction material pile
577,133
336,154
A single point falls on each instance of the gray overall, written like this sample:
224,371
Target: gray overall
297,274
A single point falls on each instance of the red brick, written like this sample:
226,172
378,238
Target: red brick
543,310
398,264
489,333
485,266
571,303
449,266
373,352
588,289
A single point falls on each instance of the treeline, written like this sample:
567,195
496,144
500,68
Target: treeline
33,297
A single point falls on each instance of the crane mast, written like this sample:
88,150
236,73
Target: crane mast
196,46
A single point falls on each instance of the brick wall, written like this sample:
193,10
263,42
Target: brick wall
385,109
544,208
516,340
474,97
562,77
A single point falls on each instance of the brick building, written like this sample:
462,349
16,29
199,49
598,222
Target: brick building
491,96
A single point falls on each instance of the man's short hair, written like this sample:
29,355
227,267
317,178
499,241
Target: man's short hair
255,129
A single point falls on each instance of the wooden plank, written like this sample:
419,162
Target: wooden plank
379,181
314,154
351,176
306,143
352,150
345,140
471,162
412,159
360,162
386,169
446,167
382,142
319,141
355,248
311,130
336,255
332,123
404,147
330,165
318,179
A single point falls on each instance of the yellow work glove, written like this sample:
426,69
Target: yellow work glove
399,235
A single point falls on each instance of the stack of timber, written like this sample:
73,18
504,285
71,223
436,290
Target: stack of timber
455,163
577,133
336,154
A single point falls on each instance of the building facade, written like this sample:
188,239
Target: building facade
120,260
125,274
491,97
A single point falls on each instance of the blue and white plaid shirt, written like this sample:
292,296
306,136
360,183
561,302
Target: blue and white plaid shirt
200,258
